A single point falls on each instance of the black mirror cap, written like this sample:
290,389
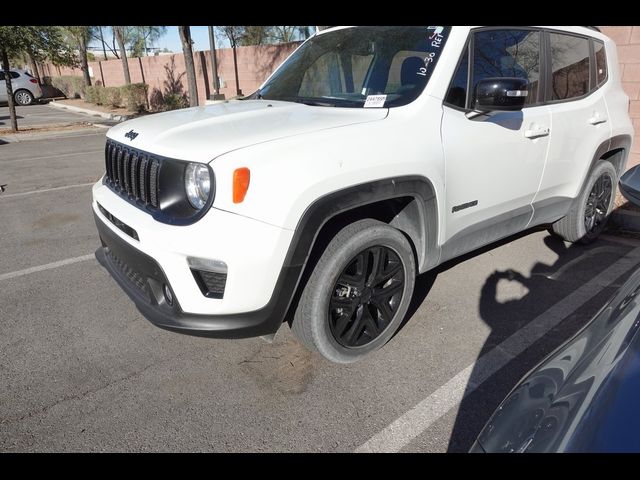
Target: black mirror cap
501,94
630,185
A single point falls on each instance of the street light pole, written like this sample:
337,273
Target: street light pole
214,67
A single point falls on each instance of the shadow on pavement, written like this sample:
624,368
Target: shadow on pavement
505,316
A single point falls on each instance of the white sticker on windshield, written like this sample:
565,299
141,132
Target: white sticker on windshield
374,101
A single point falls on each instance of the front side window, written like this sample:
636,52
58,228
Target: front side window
457,94
345,67
570,66
508,53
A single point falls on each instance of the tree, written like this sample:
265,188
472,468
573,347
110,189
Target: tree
79,37
121,34
41,43
141,36
185,37
284,34
104,50
234,34
99,36
254,35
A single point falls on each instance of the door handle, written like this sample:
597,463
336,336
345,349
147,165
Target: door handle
597,119
536,132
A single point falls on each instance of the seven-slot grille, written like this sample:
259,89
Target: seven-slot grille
132,173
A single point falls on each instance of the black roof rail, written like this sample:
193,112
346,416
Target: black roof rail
593,28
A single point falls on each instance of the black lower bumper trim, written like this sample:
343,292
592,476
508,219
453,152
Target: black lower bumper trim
143,279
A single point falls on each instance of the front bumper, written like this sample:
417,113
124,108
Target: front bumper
143,280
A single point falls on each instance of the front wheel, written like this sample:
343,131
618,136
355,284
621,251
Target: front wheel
590,211
358,293
23,97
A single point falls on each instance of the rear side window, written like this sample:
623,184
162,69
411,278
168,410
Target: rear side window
508,53
14,74
601,62
570,66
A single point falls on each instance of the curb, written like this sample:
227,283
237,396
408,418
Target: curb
95,113
625,219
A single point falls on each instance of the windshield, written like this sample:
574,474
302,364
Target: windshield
359,67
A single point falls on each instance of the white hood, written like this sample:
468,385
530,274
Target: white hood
203,133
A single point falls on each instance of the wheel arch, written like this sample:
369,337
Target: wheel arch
615,150
408,203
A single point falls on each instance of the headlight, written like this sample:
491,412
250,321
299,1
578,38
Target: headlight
197,184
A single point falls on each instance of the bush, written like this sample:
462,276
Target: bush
174,101
135,96
72,86
156,100
92,94
110,96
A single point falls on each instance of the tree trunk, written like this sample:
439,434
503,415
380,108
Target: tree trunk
123,54
235,67
84,64
113,42
7,80
104,50
185,37
34,68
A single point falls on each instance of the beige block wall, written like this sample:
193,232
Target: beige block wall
627,39
255,64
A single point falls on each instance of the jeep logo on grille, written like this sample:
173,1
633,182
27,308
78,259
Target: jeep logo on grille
131,134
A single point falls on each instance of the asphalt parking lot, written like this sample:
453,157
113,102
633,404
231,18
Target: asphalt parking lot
82,370
40,115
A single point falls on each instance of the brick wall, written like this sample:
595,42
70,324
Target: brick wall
255,64
627,39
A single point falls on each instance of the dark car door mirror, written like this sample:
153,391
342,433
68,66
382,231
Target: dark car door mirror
501,94
630,185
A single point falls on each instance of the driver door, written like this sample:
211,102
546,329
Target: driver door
493,162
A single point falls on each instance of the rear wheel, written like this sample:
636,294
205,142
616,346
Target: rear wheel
358,293
590,211
23,97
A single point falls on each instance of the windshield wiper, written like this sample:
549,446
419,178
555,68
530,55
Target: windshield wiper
305,101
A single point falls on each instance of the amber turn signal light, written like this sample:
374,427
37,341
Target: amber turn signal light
241,177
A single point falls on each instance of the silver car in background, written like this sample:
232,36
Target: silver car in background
26,89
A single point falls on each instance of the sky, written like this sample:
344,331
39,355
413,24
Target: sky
200,36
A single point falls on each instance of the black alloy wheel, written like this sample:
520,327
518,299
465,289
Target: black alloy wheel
597,206
366,296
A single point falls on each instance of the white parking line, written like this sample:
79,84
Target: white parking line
411,424
48,266
52,156
21,194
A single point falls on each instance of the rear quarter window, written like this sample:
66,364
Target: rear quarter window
601,62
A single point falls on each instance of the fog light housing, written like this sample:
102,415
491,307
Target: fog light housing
167,294
210,275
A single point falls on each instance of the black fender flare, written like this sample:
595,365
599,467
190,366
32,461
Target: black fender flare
328,206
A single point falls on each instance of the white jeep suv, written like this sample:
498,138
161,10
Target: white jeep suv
372,154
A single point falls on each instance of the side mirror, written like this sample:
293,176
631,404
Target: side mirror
501,94
630,185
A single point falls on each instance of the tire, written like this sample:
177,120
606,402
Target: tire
23,97
599,190
374,306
